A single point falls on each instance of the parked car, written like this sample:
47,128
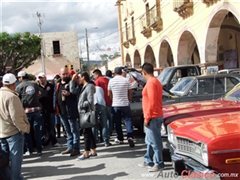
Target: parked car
229,71
171,75
207,145
230,102
189,89
205,87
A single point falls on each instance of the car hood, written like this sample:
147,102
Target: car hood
197,106
208,127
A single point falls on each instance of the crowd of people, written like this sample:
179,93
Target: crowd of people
26,109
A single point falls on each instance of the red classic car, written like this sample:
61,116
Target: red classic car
229,103
207,146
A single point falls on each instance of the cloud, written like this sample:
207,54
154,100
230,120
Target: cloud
56,16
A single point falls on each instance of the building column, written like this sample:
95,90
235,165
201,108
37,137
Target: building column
183,54
163,57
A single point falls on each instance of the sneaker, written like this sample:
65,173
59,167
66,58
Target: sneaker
155,168
118,141
144,165
91,155
82,157
131,142
28,153
39,154
56,145
108,144
68,151
75,153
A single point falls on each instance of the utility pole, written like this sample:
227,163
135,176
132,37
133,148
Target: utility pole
87,51
41,51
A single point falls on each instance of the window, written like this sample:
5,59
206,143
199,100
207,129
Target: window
56,47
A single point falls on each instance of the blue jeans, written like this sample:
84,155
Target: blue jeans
102,113
125,113
49,118
109,119
72,130
36,126
153,140
13,146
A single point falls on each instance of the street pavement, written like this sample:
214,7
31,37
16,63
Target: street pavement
118,162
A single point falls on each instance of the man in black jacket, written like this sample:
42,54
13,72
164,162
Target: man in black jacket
66,107
28,92
47,111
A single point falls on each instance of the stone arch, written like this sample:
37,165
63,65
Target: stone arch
128,61
165,55
136,60
188,52
223,39
149,56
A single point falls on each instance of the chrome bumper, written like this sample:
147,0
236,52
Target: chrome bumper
182,164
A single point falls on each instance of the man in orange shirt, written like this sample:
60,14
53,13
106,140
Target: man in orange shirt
153,117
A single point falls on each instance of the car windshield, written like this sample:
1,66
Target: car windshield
234,94
181,86
164,76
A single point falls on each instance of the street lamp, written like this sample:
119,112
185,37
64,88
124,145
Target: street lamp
86,31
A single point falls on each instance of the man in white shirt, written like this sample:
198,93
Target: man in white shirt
120,91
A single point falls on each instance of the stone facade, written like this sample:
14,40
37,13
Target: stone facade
170,33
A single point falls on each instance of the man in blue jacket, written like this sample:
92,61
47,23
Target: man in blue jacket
66,108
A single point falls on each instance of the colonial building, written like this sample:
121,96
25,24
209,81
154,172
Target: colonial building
178,32
59,49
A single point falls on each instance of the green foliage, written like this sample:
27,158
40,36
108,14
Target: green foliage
18,51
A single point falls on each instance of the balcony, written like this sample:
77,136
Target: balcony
145,29
125,41
209,2
155,20
184,8
147,32
131,37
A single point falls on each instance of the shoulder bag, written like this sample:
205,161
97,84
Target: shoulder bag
88,118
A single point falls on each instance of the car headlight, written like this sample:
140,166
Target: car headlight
171,137
163,130
204,153
170,134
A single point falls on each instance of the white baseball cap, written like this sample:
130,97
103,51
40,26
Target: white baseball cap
9,78
21,74
41,74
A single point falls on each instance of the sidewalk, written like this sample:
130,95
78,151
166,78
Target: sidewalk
118,162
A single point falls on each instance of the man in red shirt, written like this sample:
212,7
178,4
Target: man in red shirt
153,117
102,82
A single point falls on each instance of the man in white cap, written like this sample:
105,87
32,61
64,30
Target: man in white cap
28,92
47,111
14,124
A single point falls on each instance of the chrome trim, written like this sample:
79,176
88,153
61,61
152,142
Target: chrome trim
225,151
193,165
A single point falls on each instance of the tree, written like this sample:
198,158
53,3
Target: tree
104,58
18,51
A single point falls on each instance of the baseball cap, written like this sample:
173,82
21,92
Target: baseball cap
41,74
118,70
9,78
71,72
21,74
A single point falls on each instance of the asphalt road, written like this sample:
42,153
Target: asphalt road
118,162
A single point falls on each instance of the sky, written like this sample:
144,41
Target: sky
100,17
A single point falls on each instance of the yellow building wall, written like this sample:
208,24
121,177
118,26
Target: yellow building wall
174,26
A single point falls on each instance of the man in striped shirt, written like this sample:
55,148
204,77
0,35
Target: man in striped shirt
120,91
